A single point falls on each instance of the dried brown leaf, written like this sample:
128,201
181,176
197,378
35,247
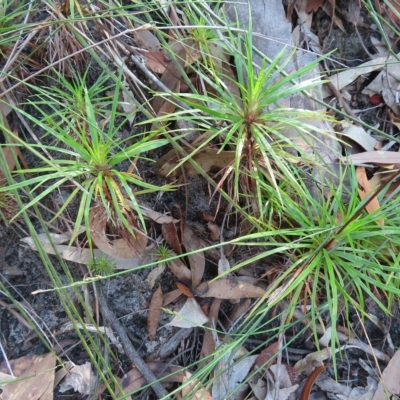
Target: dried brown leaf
134,380
189,316
197,261
373,205
154,313
207,159
375,157
170,235
80,378
194,389
209,344
154,274
238,311
390,379
40,370
171,297
313,5
206,216
358,135
180,270
268,355
215,231
171,77
155,61
146,39
157,217
118,248
231,288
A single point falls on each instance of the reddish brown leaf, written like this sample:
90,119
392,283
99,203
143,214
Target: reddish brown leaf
206,217
170,235
146,39
207,159
154,313
313,5
172,76
238,310
305,393
215,231
184,288
155,60
267,355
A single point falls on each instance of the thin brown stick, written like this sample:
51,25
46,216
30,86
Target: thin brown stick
130,351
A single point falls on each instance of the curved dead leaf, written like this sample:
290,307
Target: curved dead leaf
146,39
117,248
154,313
180,270
170,235
197,260
171,296
231,288
373,205
155,60
189,316
134,380
194,389
305,393
209,344
37,373
207,160
156,216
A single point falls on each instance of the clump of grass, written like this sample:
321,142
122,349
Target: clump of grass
89,153
249,119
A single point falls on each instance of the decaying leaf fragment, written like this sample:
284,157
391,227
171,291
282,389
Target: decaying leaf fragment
170,235
154,313
373,205
145,38
134,380
189,316
207,159
117,248
80,378
40,370
197,261
375,157
194,389
231,288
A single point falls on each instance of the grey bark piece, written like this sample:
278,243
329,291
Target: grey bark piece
273,33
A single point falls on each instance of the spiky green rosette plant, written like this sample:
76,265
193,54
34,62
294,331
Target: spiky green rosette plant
88,152
243,114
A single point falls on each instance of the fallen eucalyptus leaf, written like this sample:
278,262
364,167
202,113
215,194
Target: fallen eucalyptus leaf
117,248
231,288
154,313
190,315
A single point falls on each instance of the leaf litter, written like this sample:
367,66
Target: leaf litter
192,269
